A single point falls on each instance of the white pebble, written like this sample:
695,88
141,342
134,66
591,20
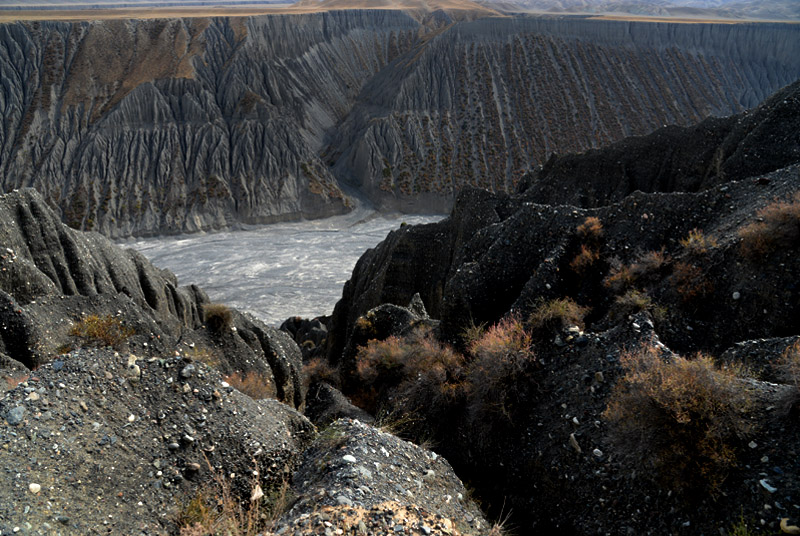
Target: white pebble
349,458
34,488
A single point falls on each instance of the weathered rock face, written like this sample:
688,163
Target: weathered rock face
144,127
675,271
162,439
483,101
675,159
497,253
52,276
138,127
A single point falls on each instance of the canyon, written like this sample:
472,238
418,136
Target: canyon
164,126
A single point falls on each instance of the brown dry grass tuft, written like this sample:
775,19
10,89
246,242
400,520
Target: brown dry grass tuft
584,260
683,419
690,282
95,330
591,229
217,317
555,315
622,277
216,509
254,384
420,370
697,242
778,226
500,361
318,370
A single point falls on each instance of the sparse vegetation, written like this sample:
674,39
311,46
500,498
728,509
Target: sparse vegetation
777,226
217,317
217,510
555,315
690,282
501,359
591,229
681,418
254,384
697,243
584,260
318,370
622,277
418,368
635,301
96,330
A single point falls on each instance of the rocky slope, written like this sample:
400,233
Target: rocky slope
673,272
143,127
117,415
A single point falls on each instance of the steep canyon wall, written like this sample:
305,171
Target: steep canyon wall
159,126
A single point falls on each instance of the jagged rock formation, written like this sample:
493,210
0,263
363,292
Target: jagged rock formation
674,271
128,454
143,127
439,261
675,159
52,276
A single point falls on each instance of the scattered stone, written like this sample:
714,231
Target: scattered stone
34,488
15,415
349,458
257,493
766,485
574,443
188,371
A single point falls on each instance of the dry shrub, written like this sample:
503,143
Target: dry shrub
621,276
204,355
555,315
217,317
584,259
789,364
690,282
778,226
95,330
318,370
216,509
697,242
635,301
421,372
683,419
591,229
254,384
500,361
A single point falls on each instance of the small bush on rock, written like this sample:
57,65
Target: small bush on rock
591,229
217,317
778,226
621,276
681,418
254,384
554,315
500,360
697,242
420,370
690,282
584,260
95,330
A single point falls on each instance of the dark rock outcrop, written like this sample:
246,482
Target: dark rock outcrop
410,488
127,453
164,126
52,277
681,272
498,253
676,159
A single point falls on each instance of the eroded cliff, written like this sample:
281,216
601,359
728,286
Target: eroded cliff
159,126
